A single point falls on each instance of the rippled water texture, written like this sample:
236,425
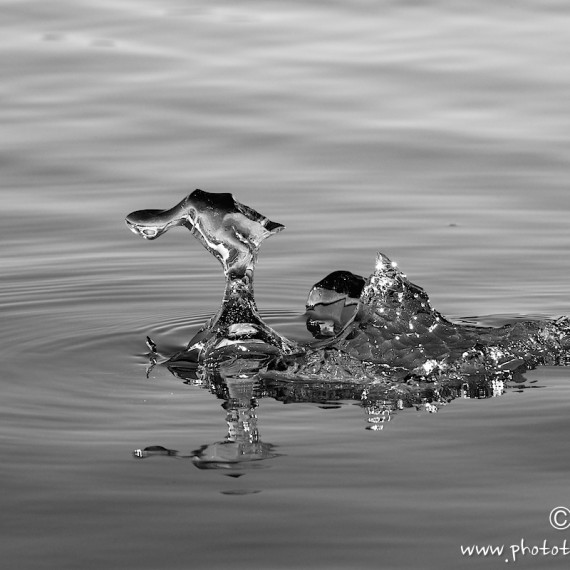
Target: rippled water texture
436,132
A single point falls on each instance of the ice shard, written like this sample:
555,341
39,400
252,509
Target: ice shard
395,329
380,328
232,233
333,303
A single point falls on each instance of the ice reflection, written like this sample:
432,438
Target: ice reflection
242,448
242,391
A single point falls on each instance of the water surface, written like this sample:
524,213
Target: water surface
435,132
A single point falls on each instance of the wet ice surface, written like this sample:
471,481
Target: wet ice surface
232,233
383,334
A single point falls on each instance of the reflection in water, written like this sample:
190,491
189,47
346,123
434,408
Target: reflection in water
242,448
241,391
377,340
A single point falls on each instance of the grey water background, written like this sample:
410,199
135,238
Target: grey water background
437,132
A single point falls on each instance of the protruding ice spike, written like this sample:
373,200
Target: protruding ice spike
151,345
229,230
232,232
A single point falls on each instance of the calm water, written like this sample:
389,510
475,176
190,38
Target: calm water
436,132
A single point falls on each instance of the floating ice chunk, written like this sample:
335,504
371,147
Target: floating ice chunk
376,328
232,233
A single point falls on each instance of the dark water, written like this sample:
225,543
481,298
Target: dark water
435,132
